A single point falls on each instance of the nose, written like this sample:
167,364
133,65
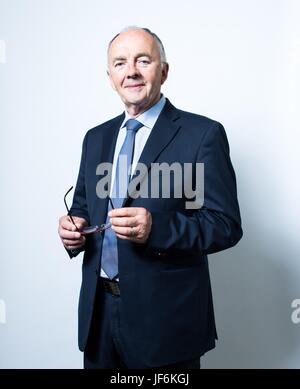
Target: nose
132,71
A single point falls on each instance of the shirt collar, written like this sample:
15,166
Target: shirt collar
149,117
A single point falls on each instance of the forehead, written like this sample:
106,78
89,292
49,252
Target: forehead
133,42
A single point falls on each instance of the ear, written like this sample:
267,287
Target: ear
164,72
111,80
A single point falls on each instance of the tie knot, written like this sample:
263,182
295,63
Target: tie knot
133,125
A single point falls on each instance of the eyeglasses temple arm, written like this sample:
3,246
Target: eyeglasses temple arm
111,203
68,208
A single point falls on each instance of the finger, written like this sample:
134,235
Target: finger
73,247
123,221
125,231
126,211
129,238
67,225
129,232
80,222
124,237
72,241
79,226
65,234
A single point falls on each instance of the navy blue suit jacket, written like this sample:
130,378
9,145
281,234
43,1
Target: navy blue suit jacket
166,302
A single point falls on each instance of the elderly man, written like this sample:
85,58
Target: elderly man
145,299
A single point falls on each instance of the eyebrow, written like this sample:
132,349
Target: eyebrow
137,56
143,55
119,59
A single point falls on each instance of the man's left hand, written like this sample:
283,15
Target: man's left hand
131,223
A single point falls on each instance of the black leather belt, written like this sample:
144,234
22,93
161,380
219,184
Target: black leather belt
110,286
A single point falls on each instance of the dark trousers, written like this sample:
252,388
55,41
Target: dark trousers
104,348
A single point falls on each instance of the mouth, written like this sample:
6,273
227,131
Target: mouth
135,86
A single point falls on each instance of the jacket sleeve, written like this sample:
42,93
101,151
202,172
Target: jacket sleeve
217,224
79,205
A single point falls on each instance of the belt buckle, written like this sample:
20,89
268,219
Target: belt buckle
111,287
115,288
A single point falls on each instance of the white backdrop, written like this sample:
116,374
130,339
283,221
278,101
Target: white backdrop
236,61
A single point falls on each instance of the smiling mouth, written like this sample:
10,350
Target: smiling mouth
134,86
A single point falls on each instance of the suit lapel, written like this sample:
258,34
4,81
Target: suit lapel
105,153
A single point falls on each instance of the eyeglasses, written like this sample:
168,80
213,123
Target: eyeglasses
90,229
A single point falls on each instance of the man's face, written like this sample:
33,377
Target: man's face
135,70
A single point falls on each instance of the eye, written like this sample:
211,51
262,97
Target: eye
144,61
118,64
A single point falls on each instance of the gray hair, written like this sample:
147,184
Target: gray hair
163,57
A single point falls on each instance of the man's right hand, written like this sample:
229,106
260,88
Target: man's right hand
70,237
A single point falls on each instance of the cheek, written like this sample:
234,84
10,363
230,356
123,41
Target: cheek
156,83
153,79
112,80
117,79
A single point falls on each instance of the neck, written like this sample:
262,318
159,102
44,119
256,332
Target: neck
135,110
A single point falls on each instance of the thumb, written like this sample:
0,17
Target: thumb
80,223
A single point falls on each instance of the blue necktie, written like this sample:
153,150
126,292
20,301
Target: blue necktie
109,259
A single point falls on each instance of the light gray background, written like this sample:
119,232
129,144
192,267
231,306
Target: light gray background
236,61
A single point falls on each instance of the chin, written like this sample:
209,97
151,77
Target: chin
137,101
136,98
